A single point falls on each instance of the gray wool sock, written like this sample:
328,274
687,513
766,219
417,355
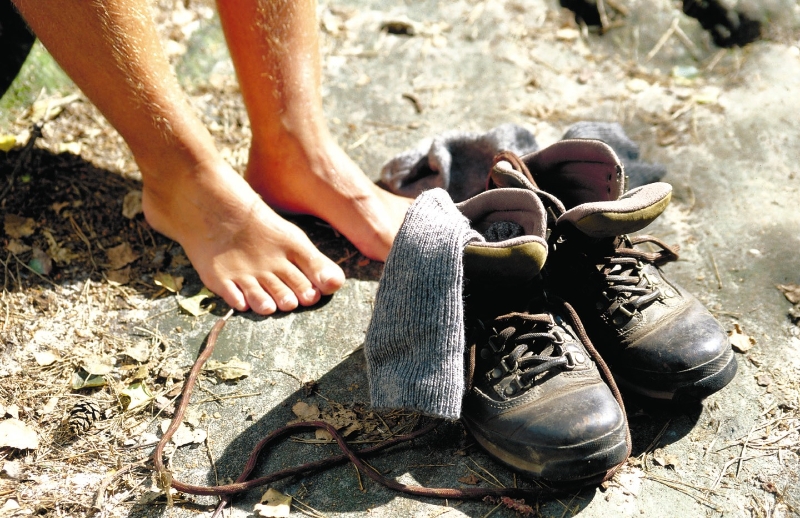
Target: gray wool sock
415,341
459,161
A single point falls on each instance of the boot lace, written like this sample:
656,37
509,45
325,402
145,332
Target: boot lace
524,346
630,285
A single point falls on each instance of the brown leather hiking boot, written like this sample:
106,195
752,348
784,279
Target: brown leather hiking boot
536,400
658,340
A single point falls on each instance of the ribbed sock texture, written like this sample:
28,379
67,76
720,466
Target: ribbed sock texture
415,341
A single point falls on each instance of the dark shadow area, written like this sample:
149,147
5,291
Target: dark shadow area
443,458
16,41
62,215
437,459
655,424
728,27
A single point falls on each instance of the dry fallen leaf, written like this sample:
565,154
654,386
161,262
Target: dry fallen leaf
135,396
740,342
49,406
194,304
180,259
7,142
16,434
274,504
322,434
57,252
229,370
791,292
45,358
45,110
17,247
13,411
119,277
140,351
98,364
120,255
305,412
17,226
470,479
184,435
13,469
84,379
132,204
168,282
9,507
660,458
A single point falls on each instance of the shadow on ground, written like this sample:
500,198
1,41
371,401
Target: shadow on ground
438,459
75,213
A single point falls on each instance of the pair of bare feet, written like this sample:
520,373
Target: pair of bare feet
243,250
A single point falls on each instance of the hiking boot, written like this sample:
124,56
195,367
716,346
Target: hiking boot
658,340
535,398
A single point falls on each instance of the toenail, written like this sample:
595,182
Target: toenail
289,300
309,294
328,275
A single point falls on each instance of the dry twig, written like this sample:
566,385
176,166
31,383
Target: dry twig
662,40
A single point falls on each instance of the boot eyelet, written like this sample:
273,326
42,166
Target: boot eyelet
496,348
618,321
574,359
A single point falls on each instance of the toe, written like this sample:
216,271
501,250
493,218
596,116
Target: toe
313,266
305,292
257,298
282,294
266,307
326,275
230,293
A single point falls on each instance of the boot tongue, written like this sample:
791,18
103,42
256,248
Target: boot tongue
588,178
512,223
577,171
631,213
508,172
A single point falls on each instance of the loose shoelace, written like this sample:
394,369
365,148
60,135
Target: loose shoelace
629,288
348,454
242,483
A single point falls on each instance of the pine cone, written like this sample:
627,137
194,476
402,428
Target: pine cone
83,415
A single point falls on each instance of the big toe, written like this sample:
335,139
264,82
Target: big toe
328,277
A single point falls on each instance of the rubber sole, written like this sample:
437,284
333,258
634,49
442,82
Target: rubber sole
579,470
716,374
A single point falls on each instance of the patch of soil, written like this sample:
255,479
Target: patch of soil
76,210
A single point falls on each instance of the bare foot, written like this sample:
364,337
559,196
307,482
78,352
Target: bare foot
241,249
321,180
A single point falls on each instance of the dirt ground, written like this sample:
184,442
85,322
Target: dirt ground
101,316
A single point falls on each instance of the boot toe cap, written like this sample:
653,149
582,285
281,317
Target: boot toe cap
571,436
690,355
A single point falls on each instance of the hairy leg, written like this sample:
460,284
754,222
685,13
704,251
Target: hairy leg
242,250
295,164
